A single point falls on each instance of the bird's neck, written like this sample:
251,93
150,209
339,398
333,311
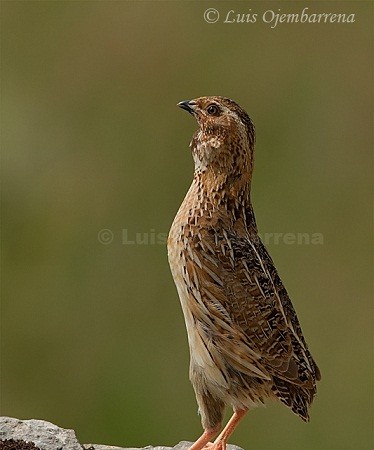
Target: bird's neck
223,190
218,200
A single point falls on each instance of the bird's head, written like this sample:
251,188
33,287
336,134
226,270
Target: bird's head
225,139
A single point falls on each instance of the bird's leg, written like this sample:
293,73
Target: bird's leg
204,439
221,441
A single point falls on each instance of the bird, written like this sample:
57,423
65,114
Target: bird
245,340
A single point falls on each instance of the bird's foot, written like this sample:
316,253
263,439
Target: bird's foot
211,446
219,445
203,443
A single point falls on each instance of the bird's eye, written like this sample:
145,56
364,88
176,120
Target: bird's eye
212,110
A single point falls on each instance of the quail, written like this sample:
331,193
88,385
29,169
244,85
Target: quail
246,344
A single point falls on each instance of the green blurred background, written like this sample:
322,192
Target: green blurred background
93,336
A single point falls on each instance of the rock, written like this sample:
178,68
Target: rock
44,435
183,445
34,434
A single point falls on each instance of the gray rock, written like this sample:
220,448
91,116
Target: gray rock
101,447
47,436
183,445
44,435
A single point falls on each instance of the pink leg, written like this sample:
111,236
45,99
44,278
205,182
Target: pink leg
221,441
205,438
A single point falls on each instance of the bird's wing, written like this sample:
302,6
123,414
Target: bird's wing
247,307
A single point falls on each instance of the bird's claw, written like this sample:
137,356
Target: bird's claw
215,446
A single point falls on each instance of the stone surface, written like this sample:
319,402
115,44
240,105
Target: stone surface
11,444
42,435
183,445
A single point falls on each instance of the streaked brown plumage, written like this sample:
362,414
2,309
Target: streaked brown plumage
245,340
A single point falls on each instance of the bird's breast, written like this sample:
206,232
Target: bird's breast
181,253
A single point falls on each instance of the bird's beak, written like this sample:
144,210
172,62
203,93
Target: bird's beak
188,105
